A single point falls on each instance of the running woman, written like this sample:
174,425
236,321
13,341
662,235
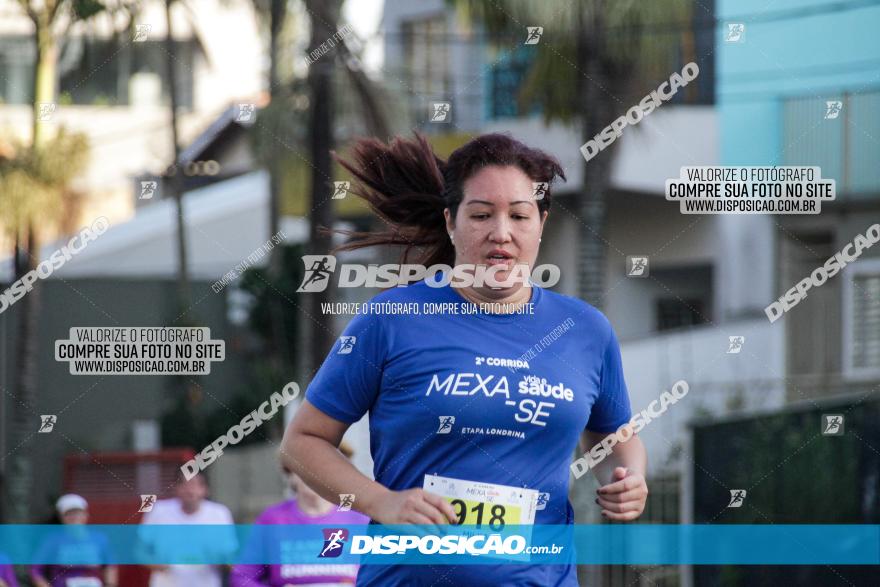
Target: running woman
307,507
461,403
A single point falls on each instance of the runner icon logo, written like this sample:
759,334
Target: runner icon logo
539,189
334,539
148,189
340,189
446,423
737,497
534,33
832,109
346,500
440,111
141,31
735,32
246,112
833,424
736,344
147,503
543,499
346,345
637,266
318,270
47,423
46,111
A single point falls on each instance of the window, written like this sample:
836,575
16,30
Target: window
94,71
861,345
685,297
17,56
676,313
426,62
506,77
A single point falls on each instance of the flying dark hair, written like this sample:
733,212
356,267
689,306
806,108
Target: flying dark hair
407,186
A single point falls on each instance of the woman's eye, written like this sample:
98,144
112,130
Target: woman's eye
520,217
480,216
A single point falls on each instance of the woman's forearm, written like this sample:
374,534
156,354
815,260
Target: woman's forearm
630,454
329,473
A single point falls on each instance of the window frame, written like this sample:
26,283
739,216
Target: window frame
870,266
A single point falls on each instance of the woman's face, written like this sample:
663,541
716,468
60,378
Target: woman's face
76,516
498,215
303,492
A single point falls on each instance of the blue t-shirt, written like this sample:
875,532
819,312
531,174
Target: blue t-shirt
520,389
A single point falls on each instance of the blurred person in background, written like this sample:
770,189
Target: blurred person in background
189,507
74,511
7,573
305,507
482,208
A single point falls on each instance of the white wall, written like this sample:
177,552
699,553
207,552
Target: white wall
226,222
717,380
645,156
127,141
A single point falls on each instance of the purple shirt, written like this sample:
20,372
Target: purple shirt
288,512
7,573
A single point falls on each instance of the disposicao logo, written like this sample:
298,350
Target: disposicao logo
334,540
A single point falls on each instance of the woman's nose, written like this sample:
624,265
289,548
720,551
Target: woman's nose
500,231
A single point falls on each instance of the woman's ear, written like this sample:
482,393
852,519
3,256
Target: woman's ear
450,221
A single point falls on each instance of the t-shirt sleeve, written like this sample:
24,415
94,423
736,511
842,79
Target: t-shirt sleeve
227,541
249,574
348,381
612,408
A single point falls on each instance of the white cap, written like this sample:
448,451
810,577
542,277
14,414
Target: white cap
71,501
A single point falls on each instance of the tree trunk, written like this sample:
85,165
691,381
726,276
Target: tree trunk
44,77
24,422
369,95
324,19
18,484
278,11
279,353
595,108
173,180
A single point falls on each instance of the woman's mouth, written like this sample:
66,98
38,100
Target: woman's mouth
499,260
499,257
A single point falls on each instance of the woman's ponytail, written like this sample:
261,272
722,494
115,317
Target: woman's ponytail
402,182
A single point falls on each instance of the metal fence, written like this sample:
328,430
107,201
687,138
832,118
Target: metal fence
794,472
663,507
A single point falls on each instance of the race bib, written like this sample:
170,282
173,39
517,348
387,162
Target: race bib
485,505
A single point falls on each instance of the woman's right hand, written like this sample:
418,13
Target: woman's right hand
413,506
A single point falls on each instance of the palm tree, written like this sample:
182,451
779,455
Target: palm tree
173,178
33,191
280,118
324,19
325,24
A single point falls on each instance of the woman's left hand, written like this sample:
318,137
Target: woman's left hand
624,498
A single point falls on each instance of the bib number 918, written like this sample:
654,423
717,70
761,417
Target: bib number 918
475,512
